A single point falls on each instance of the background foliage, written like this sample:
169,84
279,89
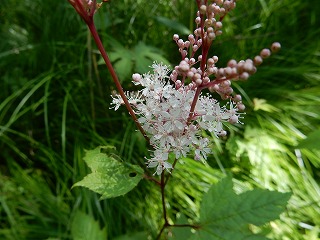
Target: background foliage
55,99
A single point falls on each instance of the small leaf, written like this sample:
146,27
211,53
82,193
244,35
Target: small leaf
84,227
110,177
226,215
312,141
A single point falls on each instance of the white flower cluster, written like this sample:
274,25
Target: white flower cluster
163,112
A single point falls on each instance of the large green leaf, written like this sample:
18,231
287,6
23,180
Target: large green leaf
179,233
84,227
226,215
312,141
145,55
110,177
130,60
121,58
134,236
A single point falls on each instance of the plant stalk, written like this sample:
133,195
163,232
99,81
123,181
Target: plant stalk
114,76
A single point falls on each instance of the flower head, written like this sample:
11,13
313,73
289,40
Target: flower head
164,112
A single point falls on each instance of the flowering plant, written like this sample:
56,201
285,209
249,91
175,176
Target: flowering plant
172,111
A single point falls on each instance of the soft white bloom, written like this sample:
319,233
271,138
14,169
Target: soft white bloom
159,160
163,113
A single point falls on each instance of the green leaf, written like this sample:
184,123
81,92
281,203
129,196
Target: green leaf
110,177
173,25
84,227
134,236
312,141
179,233
121,58
145,55
226,215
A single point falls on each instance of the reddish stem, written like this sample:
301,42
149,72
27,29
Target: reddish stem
114,76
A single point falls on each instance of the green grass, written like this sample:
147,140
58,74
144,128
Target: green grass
55,104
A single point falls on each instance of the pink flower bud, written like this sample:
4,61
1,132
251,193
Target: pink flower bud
237,98
210,62
211,36
222,133
218,25
198,81
257,60
198,20
184,66
241,106
232,63
244,76
136,77
203,9
233,119
191,39
265,53
192,61
275,47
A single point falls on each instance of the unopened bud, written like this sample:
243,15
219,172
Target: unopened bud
184,66
232,63
222,133
265,53
233,119
203,9
275,47
257,60
241,106
244,76
136,77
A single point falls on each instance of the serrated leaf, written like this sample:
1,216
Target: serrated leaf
84,227
211,203
226,215
122,62
312,141
145,55
110,177
123,68
260,206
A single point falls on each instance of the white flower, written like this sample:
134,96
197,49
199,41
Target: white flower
159,160
163,113
202,150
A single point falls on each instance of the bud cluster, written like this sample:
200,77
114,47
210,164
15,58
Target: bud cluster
202,71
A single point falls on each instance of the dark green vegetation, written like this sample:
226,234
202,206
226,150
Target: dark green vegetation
54,103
